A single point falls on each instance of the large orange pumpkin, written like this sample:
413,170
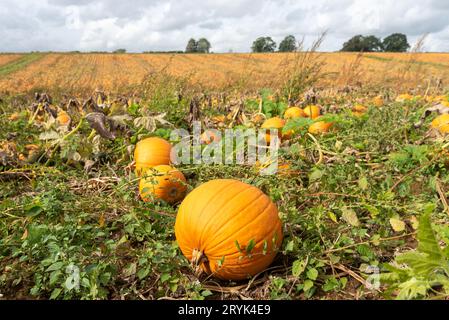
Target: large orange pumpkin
294,112
228,229
163,182
273,123
312,111
151,152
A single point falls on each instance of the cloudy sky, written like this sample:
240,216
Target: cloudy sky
144,25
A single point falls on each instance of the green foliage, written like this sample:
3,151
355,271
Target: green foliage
263,44
361,43
396,42
288,44
423,272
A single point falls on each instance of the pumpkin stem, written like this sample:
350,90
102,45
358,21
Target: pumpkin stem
198,258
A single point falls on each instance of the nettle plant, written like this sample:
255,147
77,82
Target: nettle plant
424,272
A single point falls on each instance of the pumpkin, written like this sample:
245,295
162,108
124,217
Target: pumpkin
320,127
404,97
63,118
13,117
210,136
378,101
312,111
151,152
163,182
441,123
358,110
273,123
294,112
229,229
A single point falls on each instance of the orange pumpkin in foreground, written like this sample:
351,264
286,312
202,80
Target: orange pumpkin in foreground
229,229
163,182
151,152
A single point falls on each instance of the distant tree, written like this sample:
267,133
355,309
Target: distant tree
264,44
396,42
203,45
372,44
119,51
353,44
288,44
192,46
361,43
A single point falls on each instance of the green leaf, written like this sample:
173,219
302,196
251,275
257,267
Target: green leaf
55,293
54,276
312,274
238,246
307,285
412,289
397,224
33,211
315,175
165,277
297,124
298,267
427,242
55,266
250,246
350,217
289,246
363,183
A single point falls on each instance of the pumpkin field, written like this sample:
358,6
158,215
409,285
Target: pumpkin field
92,205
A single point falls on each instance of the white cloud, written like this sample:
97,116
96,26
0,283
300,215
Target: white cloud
142,25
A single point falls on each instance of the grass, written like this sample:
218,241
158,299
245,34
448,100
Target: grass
340,207
19,63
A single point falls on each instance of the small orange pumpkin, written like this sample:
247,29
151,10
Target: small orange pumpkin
63,118
163,182
312,111
358,110
320,127
273,123
229,229
151,152
294,112
441,123
378,101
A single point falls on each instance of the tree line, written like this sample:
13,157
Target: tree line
396,42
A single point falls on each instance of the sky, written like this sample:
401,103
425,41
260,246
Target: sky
229,25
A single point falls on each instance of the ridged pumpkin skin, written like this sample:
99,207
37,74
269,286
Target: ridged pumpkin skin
273,123
151,152
163,182
294,112
312,111
216,216
441,123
